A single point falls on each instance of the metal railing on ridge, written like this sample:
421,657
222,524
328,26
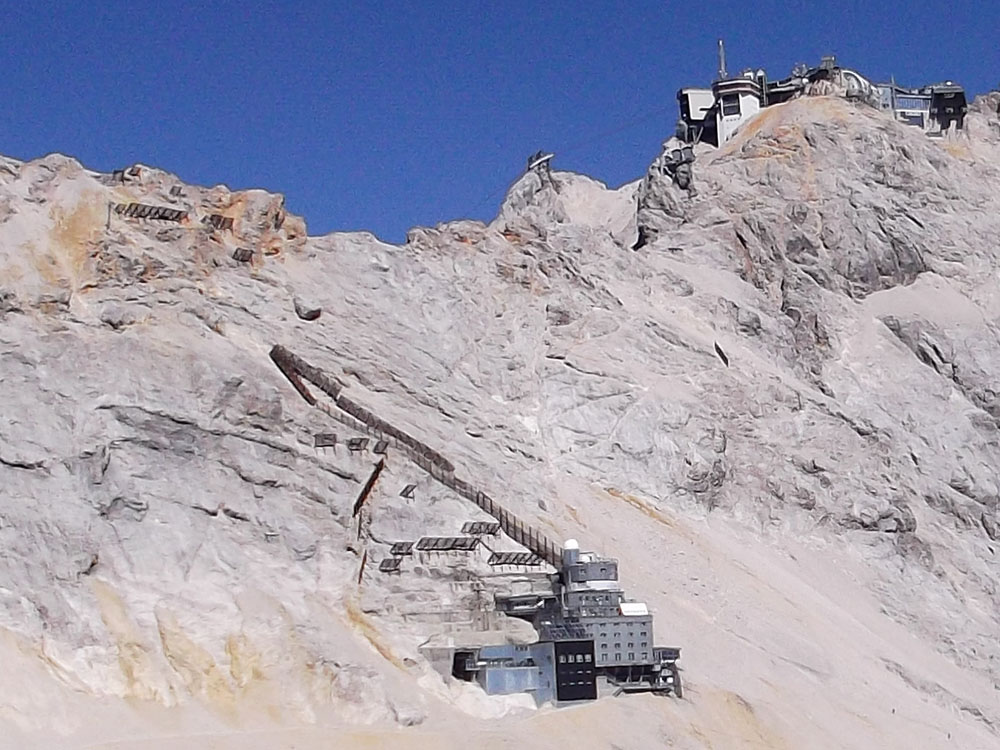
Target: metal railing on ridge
295,369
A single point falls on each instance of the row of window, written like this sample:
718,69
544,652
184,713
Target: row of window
580,658
596,599
590,573
642,644
618,636
602,627
618,656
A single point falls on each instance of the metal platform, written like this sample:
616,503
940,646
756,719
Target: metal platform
390,565
529,559
145,211
325,440
447,544
401,548
218,221
481,528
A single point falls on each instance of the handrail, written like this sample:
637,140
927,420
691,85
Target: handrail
294,368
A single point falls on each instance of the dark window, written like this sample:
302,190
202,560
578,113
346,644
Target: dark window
631,656
576,680
730,105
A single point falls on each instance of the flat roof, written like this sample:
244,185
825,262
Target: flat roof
633,609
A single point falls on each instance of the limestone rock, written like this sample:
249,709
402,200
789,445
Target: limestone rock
814,511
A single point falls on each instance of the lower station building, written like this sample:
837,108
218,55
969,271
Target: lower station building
589,634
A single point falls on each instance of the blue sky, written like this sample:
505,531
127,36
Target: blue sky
386,115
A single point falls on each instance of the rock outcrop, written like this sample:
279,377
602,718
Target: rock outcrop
776,408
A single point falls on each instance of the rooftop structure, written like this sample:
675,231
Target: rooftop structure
714,115
933,108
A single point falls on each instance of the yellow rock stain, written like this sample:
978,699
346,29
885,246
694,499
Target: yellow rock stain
133,654
194,665
74,231
731,722
643,506
363,624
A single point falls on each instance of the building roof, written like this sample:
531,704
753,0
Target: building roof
562,631
633,609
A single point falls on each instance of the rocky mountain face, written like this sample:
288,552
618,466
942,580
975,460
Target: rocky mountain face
776,408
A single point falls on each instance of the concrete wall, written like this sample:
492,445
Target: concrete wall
612,636
526,669
504,680
729,124
596,570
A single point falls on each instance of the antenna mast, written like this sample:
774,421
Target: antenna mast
722,61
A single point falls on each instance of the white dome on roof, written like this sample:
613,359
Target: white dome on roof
571,544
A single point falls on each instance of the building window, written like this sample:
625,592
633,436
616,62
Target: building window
730,105
644,644
562,658
604,645
630,644
587,658
631,656
604,657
